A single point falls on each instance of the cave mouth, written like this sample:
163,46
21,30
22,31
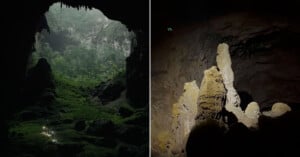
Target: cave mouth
73,102
82,45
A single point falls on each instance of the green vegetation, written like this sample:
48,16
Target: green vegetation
83,50
80,105
29,132
72,103
83,46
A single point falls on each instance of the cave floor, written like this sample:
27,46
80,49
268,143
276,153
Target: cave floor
75,124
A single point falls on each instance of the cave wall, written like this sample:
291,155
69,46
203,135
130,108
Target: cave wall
265,61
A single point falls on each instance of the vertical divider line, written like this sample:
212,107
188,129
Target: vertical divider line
149,78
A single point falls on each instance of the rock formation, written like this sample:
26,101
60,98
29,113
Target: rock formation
252,112
211,95
232,98
224,64
194,107
278,109
197,106
184,113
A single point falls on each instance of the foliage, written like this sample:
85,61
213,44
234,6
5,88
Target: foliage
74,97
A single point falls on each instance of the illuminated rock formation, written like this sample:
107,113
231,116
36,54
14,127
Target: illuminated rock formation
195,106
211,95
184,113
252,111
232,98
224,64
278,109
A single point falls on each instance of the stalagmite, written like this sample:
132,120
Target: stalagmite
211,95
232,98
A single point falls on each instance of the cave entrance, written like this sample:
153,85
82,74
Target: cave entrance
84,48
82,45
75,89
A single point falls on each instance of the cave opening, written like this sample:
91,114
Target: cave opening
85,49
74,102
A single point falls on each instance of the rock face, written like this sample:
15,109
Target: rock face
211,95
183,114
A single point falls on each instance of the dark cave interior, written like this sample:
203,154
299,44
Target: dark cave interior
263,37
19,29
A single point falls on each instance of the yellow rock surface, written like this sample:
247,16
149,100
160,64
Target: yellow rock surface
278,109
211,95
184,113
